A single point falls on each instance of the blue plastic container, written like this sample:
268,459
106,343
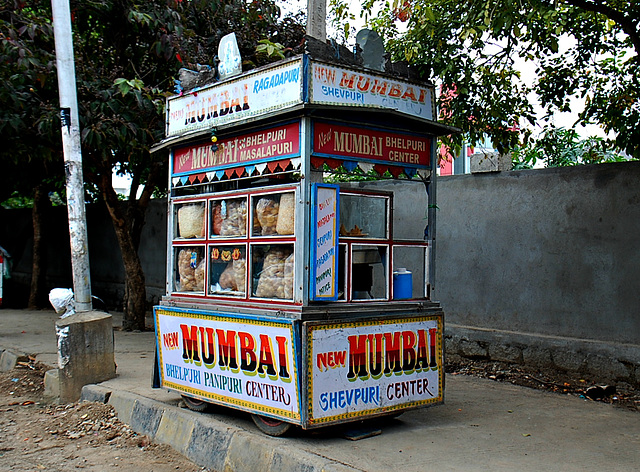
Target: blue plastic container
402,284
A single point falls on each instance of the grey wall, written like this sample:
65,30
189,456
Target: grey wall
107,270
552,252
538,267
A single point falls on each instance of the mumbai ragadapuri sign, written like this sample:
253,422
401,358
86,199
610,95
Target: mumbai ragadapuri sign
250,95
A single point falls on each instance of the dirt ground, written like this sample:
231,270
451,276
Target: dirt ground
36,435
619,395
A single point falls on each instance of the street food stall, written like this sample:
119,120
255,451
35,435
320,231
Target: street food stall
295,294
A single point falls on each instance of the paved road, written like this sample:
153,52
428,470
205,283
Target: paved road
484,425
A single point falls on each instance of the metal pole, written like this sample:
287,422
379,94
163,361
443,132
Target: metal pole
72,154
317,19
431,217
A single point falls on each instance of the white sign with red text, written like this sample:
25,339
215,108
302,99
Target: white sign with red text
361,368
338,86
242,362
236,99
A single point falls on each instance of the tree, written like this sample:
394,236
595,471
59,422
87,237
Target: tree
559,147
126,56
587,48
31,154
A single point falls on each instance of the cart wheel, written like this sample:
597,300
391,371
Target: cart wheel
270,426
195,404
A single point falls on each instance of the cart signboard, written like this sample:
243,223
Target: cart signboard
366,144
333,85
234,100
324,239
356,369
243,362
260,146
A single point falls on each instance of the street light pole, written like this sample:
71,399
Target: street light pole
72,154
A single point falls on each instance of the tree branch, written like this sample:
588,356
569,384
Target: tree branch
628,23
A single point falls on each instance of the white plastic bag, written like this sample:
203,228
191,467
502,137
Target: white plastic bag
62,300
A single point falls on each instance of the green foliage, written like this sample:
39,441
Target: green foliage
475,51
17,201
341,174
559,147
270,49
126,56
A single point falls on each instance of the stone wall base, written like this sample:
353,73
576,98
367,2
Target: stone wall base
603,362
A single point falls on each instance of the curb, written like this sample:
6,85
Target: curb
207,441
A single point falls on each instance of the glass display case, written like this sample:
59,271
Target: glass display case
258,226
228,242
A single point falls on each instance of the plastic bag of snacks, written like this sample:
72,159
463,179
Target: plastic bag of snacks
286,214
267,214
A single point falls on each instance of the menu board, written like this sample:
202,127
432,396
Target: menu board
324,239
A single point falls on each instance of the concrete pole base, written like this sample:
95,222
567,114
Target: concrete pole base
85,355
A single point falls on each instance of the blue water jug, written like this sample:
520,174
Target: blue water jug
402,284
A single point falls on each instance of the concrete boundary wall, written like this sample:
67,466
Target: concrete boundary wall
547,254
611,363
542,267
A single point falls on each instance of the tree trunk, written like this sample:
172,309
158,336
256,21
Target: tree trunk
135,288
128,222
38,271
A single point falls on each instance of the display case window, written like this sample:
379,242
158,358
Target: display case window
189,269
409,271
228,270
342,272
364,216
228,217
273,214
369,274
189,220
272,271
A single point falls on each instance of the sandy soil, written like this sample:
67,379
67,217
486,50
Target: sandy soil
36,435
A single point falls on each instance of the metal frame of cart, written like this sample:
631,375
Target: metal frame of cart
295,318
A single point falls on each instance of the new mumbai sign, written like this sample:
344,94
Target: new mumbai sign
241,362
338,86
367,367
369,144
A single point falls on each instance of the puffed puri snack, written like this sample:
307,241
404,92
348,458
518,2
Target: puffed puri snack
234,219
271,283
286,214
267,214
191,221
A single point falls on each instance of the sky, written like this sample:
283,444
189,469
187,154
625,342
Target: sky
565,120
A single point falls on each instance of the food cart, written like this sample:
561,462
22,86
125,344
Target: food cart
291,295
